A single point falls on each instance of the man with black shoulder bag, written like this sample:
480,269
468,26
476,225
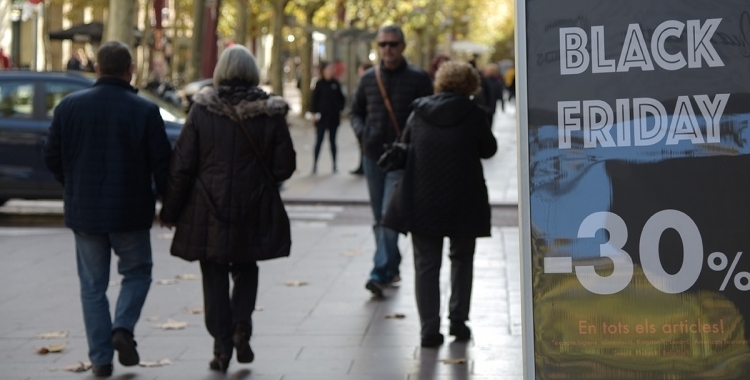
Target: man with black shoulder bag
379,111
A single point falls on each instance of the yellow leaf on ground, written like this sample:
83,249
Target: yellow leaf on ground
80,367
52,348
454,361
168,281
295,283
158,363
394,316
171,324
187,276
52,335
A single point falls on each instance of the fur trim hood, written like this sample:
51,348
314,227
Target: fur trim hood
247,102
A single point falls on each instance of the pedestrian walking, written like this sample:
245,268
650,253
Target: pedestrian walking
105,145
327,103
379,111
443,194
224,199
74,63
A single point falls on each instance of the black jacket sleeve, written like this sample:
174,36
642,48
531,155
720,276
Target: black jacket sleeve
53,148
284,156
359,109
159,150
315,102
182,171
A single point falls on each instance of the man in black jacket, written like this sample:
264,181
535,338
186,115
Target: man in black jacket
403,83
105,145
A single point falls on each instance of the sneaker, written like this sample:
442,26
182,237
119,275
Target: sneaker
460,331
104,370
122,341
376,288
395,281
432,340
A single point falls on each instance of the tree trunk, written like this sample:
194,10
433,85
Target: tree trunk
277,67
194,68
307,48
121,18
240,32
144,64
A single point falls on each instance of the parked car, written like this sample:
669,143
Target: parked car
27,103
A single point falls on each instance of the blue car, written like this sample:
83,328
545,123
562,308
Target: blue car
27,103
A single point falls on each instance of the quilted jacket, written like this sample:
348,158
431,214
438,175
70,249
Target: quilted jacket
443,192
216,180
369,117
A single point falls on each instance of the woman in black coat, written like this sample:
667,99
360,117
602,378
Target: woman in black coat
218,196
443,194
327,104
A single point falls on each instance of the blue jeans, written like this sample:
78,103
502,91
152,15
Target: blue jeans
93,254
381,186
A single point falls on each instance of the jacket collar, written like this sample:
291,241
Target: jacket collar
399,68
112,81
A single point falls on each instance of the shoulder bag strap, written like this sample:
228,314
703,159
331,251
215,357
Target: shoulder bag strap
386,100
251,141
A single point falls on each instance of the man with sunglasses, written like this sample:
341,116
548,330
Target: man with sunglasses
371,120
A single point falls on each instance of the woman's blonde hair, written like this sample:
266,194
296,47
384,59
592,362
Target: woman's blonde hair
458,77
238,63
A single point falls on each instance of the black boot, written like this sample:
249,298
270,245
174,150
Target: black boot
241,340
219,363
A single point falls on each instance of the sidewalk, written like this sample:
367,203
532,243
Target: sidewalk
328,329
326,187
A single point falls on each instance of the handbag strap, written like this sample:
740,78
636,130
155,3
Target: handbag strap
244,128
386,100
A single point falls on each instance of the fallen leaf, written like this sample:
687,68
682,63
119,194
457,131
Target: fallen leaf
354,252
259,308
52,348
187,276
195,310
152,319
168,281
295,283
171,324
52,335
158,363
454,361
80,367
115,283
394,316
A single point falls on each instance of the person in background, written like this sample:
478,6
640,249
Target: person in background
4,60
216,184
74,63
402,83
327,103
105,145
361,70
492,73
435,64
443,194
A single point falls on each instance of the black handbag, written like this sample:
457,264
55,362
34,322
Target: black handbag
394,157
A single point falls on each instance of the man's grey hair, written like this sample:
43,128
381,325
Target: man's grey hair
394,29
236,63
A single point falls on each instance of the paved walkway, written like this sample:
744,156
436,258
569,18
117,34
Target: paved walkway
328,329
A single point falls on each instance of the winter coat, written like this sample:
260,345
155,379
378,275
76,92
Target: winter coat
442,192
369,117
216,179
105,145
328,99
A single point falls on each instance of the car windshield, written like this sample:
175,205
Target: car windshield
168,111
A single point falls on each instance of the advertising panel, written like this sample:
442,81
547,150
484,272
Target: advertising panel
635,205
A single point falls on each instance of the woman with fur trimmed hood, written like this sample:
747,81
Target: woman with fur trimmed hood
223,196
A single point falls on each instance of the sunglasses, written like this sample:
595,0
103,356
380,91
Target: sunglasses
392,44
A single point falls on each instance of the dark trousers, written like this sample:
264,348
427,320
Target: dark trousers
223,312
321,131
428,256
